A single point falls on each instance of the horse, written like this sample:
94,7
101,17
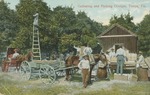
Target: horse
74,61
21,58
16,62
71,61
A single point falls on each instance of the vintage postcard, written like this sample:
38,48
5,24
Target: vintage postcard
74,47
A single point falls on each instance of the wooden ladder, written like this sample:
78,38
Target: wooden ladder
36,45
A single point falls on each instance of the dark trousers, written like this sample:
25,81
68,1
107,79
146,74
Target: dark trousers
120,63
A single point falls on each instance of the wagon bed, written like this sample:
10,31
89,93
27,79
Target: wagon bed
46,70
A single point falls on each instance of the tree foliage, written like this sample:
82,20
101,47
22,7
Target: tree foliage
124,20
8,25
25,11
58,28
144,37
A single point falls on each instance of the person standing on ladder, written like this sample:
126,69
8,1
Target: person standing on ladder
36,43
35,23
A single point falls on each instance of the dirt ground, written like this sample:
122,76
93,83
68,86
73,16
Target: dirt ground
96,85
61,81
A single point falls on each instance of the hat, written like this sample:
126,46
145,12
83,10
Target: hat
112,48
85,56
15,49
107,51
120,46
102,52
140,52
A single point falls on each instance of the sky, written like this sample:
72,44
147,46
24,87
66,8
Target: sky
101,10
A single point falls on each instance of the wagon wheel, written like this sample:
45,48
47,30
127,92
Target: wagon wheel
47,74
25,70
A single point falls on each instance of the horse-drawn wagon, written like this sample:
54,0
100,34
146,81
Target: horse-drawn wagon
46,70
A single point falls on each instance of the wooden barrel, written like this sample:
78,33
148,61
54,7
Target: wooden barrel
142,74
101,73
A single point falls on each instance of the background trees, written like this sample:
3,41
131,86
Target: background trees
59,27
144,35
126,20
8,25
25,11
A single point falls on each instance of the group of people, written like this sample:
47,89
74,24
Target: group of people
120,54
86,58
122,57
87,50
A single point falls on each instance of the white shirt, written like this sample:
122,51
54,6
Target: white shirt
77,48
36,19
120,51
141,59
84,64
101,64
112,54
87,51
15,55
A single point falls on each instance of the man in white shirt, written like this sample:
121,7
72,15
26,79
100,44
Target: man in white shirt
140,60
88,51
78,50
112,53
15,54
35,19
35,23
84,65
120,54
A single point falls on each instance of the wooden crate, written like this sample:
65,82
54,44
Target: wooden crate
125,77
147,62
132,77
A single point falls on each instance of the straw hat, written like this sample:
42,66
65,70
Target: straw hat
16,50
140,52
107,51
112,48
84,56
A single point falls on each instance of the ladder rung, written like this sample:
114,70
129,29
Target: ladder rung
36,48
36,56
36,44
36,52
35,40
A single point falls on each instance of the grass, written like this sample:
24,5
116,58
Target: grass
11,87
122,89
